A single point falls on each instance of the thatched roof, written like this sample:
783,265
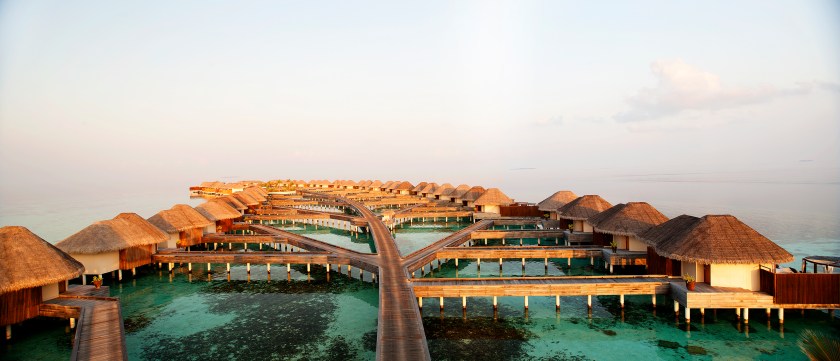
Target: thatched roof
233,202
217,210
429,188
493,196
246,198
29,261
376,184
388,185
180,217
473,194
403,186
631,219
253,192
447,193
556,200
713,239
459,191
442,188
419,186
126,230
583,207
258,190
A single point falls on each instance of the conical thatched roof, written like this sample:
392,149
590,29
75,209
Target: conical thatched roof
246,199
429,188
180,217
713,239
447,193
459,191
419,186
556,200
29,261
217,210
233,202
126,230
473,193
631,219
146,227
493,196
253,192
376,184
258,190
403,186
388,185
583,207
443,188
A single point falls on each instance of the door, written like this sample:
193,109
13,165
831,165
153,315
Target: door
707,274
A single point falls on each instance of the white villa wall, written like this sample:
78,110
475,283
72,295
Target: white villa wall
97,264
587,227
736,275
49,291
172,242
491,208
210,228
693,269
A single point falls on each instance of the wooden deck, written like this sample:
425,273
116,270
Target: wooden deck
99,326
706,296
624,258
543,286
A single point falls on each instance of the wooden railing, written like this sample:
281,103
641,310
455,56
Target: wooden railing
767,281
807,288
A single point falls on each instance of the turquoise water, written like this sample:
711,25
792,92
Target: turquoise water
637,333
197,318
360,243
413,236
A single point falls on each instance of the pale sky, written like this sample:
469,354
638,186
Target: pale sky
121,94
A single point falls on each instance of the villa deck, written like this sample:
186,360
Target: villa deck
543,286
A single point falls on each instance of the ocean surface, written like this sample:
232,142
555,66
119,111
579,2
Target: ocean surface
193,316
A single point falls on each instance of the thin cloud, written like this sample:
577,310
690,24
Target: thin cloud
683,87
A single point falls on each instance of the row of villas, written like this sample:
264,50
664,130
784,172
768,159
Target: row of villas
718,250
34,271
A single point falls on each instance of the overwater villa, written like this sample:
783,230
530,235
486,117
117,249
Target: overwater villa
578,211
441,189
469,197
491,201
718,250
120,244
248,200
220,212
456,194
184,226
375,186
32,272
234,203
428,190
418,188
550,205
403,188
623,223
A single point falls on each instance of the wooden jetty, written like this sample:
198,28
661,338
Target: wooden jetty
98,321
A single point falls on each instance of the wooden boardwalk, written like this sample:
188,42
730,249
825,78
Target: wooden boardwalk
99,326
543,286
519,252
400,334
